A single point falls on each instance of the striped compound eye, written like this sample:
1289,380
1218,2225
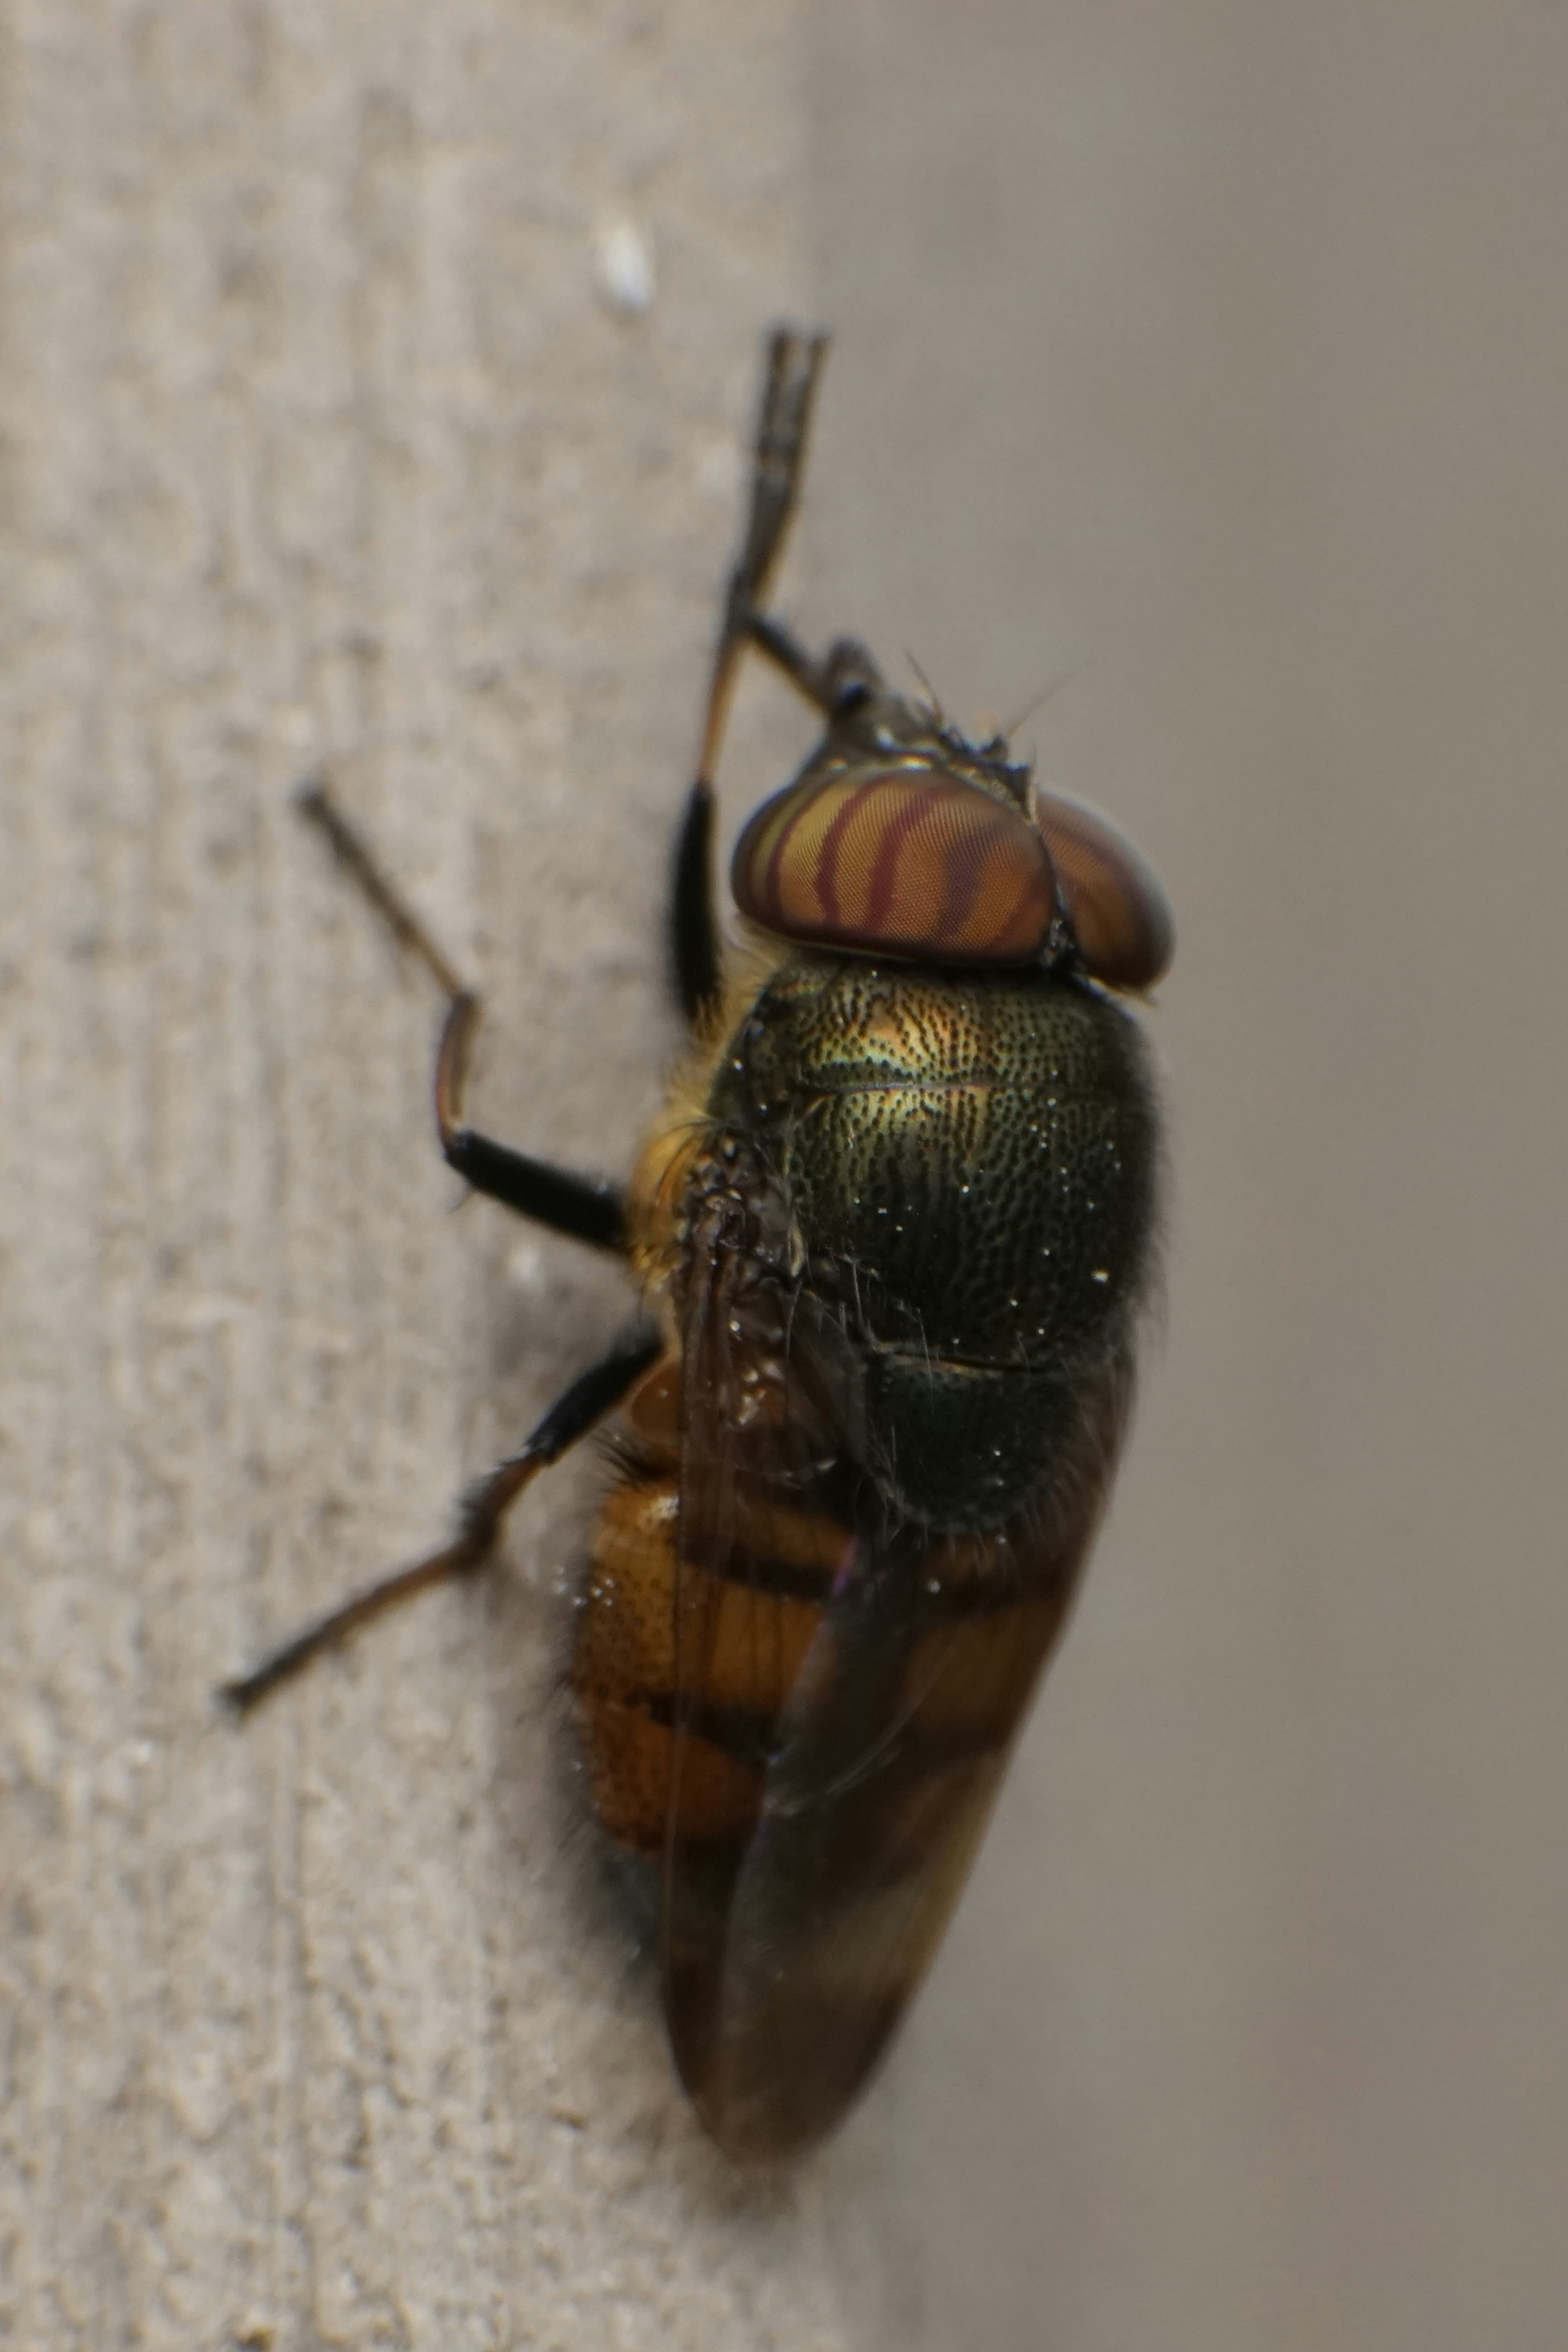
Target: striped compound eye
1121,917
899,861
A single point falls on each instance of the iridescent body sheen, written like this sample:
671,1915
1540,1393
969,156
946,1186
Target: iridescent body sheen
895,1224
900,1238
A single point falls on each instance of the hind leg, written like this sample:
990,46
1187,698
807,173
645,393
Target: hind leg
593,1394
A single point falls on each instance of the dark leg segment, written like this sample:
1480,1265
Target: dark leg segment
594,1393
588,1208
832,681
693,925
794,362
585,1208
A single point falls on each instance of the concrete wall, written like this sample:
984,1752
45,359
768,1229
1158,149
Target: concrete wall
322,439
1209,360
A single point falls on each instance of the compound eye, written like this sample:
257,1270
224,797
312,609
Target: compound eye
1122,916
900,861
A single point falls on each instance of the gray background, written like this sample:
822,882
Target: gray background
1224,352
1204,362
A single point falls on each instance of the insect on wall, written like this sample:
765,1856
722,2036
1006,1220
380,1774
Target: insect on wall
890,1235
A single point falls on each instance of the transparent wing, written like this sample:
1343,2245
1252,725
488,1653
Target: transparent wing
847,1698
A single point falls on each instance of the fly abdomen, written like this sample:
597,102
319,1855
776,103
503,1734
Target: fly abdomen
665,1648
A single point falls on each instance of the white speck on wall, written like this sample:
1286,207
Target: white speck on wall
525,1268
623,260
720,470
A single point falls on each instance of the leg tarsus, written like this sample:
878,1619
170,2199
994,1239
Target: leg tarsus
316,804
591,1395
795,361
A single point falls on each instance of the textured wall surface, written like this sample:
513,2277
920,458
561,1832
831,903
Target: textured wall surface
322,439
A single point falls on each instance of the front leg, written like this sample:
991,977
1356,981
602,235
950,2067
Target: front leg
585,1208
777,460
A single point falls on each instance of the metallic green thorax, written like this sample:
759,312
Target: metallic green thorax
966,1167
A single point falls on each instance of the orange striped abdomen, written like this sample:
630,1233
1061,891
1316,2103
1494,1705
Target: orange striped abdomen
725,1669
624,1681
663,1643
